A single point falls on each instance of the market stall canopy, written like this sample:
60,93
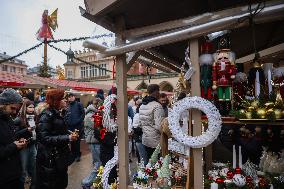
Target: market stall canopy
14,80
164,17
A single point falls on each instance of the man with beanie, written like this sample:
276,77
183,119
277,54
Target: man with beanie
10,163
74,118
151,114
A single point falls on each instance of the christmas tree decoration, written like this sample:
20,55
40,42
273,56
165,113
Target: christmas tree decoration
164,174
250,169
206,60
155,156
239,180
214,122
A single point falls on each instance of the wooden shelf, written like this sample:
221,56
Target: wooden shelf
234,121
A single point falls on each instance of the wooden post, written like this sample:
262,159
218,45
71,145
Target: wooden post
122,113
196,116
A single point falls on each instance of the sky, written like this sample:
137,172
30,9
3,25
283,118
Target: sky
21,19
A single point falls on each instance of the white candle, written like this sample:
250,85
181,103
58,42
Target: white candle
234,156
240,157
257,84
269,81
214,185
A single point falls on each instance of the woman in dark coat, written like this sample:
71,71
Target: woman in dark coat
53,157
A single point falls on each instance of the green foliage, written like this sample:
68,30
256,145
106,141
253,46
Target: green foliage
43,71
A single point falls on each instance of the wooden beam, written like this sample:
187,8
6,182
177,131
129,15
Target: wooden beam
196,115
132,57
102,21
157,59
263,53
95,7
122,114
188,21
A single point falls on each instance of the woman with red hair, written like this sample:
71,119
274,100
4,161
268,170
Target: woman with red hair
53,157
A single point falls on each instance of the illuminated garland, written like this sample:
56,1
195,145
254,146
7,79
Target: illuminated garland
57,41
60,50
21,53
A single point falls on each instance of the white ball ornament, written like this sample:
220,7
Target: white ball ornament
239,180
223,172
214,122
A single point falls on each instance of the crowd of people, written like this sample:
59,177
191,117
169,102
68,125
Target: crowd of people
39,140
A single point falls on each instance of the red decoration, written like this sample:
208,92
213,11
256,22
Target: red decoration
103,132
248,179
220,180
230,175
238,170
98,118
44,33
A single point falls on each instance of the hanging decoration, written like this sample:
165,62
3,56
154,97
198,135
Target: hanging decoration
187,61
214,122
108,167
206,60
223,73
109,120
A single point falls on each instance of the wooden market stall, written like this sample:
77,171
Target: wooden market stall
163,29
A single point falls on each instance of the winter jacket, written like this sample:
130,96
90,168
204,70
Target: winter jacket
137,130
53,139
151,114
10,163
75,115
89,125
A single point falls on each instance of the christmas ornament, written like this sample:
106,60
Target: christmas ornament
239,180
214,122
224,171
278,113
223,72
206,60
261,112
109,120
108,167
250,170
230,175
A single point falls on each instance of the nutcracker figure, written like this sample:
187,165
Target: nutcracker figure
223,70
223,73
206,60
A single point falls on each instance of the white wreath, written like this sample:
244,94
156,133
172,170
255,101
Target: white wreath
214,122
108,167
108,123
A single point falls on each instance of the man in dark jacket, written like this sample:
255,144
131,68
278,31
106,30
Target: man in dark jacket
10,163
74,118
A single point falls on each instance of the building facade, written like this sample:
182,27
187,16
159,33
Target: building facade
138,74
14,66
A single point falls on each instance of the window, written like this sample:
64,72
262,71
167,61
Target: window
103,72
87,71
4,68
12,69
96,71
92,71
22,70
83,72
69,74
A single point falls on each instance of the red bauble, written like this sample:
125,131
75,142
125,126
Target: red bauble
210,178
101,108
230,175
219,180
238,170
248,179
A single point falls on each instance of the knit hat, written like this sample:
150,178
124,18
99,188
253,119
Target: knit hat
10,96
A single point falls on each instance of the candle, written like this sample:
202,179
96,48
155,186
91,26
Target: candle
269,81
214,185
240,157
257,84
234,156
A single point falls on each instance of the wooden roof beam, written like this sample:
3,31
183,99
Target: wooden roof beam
263,53
268,14
189,21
